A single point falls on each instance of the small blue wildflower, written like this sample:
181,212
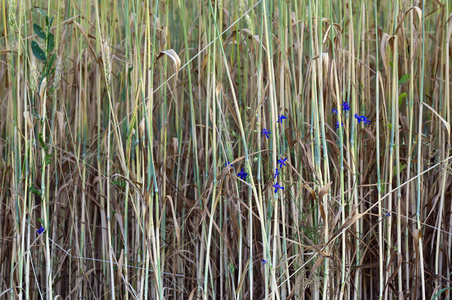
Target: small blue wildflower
358,118
266,133
276,174
345,106
334,111
264,261
388,214
337,124
277,186
365,120
362,118
281,162
281,118
242,174
227,164
40,230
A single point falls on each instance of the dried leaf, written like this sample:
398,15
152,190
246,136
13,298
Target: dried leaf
324,190
444,121
174,57
344,226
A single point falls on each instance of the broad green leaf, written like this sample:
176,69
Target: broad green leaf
404,79
38,30
37,51
401,97
50,43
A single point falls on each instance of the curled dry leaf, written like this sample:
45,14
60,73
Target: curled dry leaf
42,88
142,127
174,57
324,190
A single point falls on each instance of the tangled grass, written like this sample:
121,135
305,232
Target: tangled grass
134,162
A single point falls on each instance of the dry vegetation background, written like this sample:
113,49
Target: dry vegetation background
118,118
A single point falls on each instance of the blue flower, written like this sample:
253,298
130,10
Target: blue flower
337,125
276,174
281,162
334,111
40,230
345,106
365,120
227,164
265,132
281,118
358,118
277,186
264,261
242,174
362,118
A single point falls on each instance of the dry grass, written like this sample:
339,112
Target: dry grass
114,139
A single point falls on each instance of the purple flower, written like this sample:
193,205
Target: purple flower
337,125
281,118
334,111
40,230
276,174
242,174
266,133
277,186
264,261
281,162
345,106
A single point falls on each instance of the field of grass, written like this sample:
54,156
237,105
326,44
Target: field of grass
215,149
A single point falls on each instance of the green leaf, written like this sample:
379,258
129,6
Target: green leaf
50,43
41,141
50,23
49,65
38,30
401,97
37,51
404,79
440,292
394,171
42,12
35,191
48,159
120,183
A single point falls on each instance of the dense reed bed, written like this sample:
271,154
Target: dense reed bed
225,149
